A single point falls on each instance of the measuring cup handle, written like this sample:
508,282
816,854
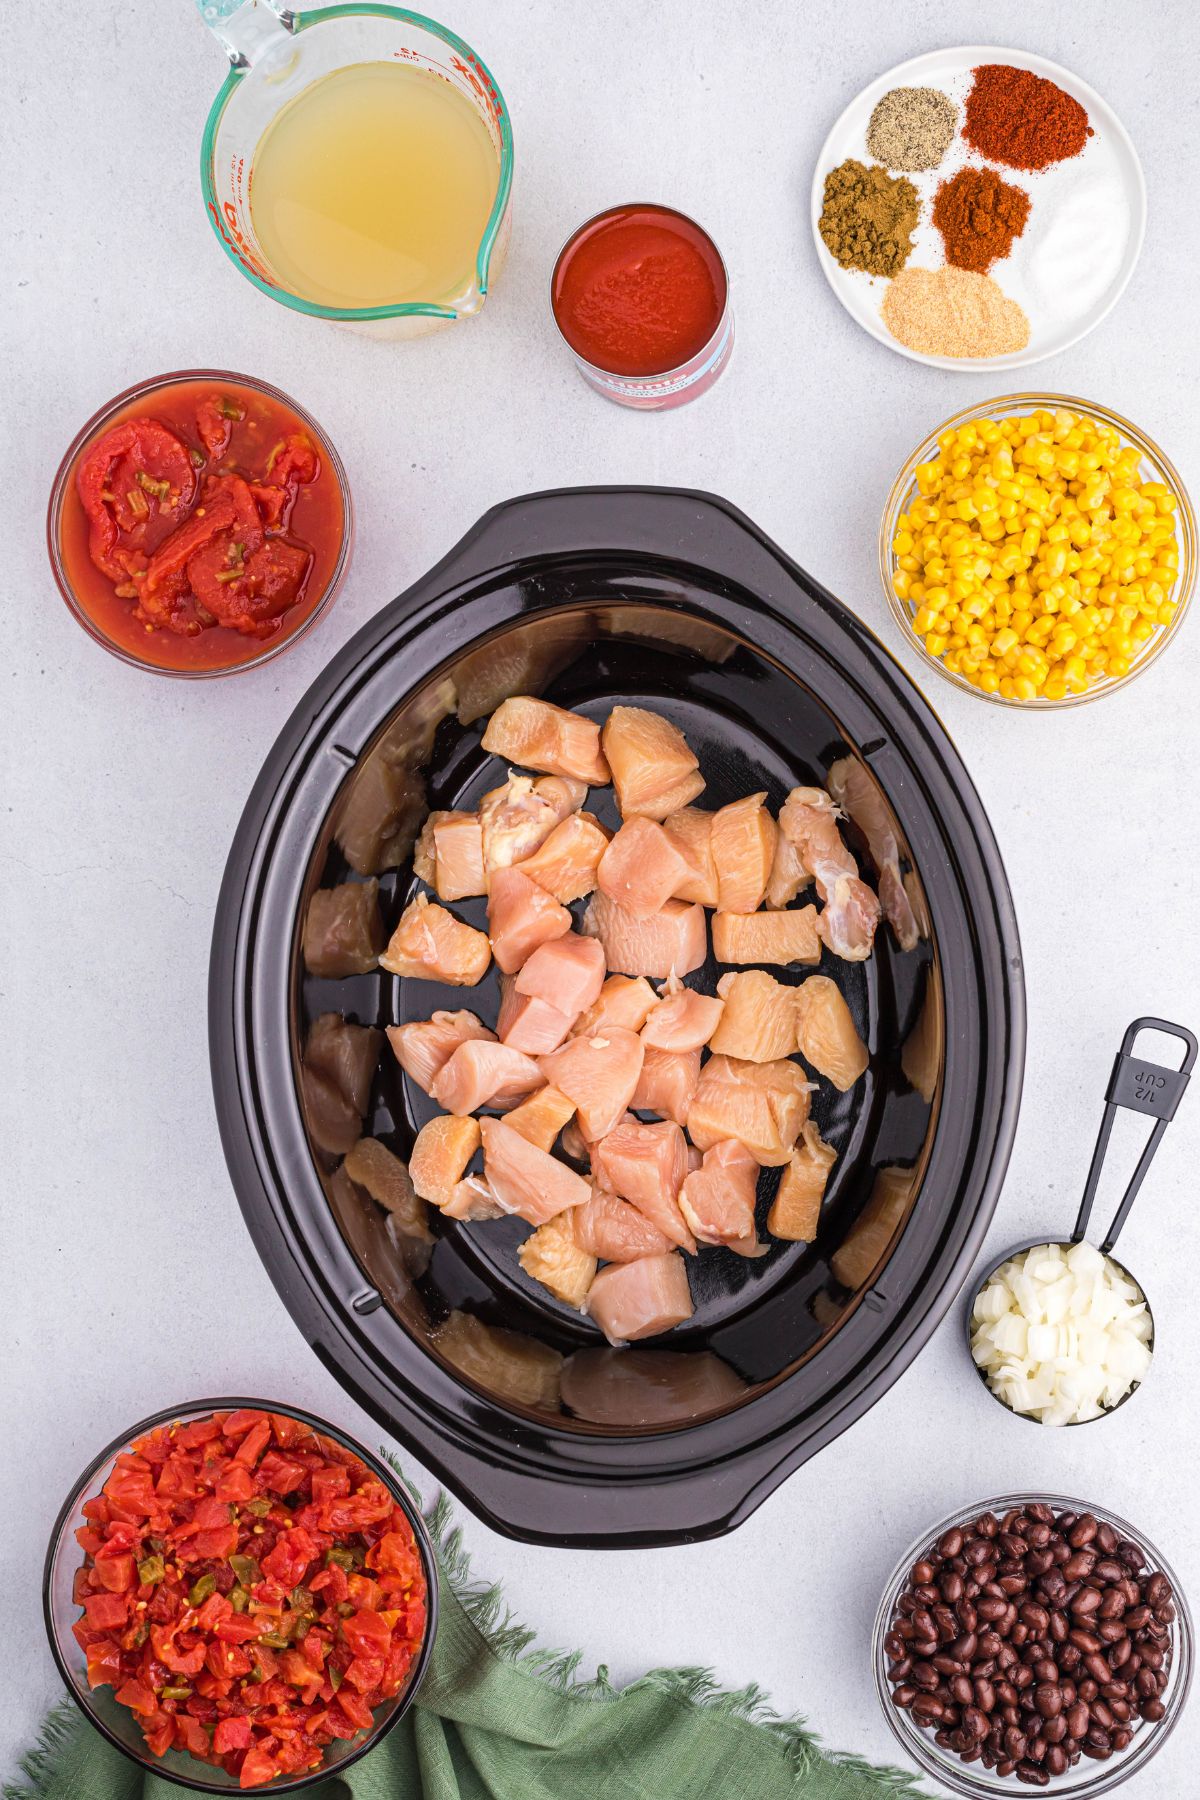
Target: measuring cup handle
1144,1087
244,28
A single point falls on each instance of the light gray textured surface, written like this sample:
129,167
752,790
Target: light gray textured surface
130,1280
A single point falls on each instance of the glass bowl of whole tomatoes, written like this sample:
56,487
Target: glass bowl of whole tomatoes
199,524
237,1594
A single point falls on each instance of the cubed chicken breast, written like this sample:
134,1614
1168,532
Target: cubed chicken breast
521,915
683,1019
624,1000
343,932
510,1364
690,830
567,973
673,942
717,1200
449,855
743,849
430,944
789,876
851,912
653,771
825,1033
540,1118
482,1074
526,1181
667,1084
615,1231
422,1047
472,1202
796,1209
640,1299
567,862
767,937
373,1167
528,1024
759,1021
763,1105
641,868
516,819
600,1074
443,1148
646,1164
536,735
552,1256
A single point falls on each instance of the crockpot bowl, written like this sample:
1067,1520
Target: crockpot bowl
672,600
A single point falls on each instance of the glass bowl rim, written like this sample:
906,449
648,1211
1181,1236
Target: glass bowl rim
303,21
196,1409
1026,402
660,375
947,1768
143,390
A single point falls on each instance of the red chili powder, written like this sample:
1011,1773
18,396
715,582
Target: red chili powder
978,216
639,291
1021,119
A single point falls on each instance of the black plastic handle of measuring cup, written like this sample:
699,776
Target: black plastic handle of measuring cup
1143,1087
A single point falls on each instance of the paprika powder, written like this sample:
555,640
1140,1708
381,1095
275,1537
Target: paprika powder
979,216
1018,118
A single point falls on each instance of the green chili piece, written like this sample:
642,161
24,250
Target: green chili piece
197,457
228,410
260,1506
246,1570
238,1598
274,1640
301,1600
151,1568
175,1693
335,1679
200,1590
160,489
139,506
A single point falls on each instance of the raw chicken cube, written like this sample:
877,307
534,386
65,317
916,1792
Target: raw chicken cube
796,1209
430,944
717,1200
690,830
857,793
825,1032
759,1021
683,1019
425,1045
615,1231
641,868
482,1074
552,1256
851,912
443,1148
537,735
449,855
567,973
770,937
343,932
516,819
528,1024
653,771
472,1202
673,942
624,1000
763,1105
566,863
667,1084
540,1118
525,1180
640,1299
645,1164
600,1074
521,915
789,875
743,848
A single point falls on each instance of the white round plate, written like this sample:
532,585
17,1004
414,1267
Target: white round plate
1085,228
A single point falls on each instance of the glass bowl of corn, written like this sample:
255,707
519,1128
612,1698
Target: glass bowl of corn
1040,549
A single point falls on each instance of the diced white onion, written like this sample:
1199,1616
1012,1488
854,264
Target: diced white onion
1061,1334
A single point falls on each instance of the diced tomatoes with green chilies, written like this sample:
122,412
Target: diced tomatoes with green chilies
250,1591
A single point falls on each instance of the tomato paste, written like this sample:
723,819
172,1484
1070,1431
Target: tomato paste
639,291
250,1590
202,524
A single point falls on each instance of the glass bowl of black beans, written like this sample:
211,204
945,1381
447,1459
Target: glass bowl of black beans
1036,1641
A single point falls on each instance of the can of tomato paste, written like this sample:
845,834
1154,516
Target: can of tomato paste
640,295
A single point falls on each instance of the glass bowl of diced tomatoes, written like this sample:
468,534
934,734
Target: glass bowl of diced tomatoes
239,1595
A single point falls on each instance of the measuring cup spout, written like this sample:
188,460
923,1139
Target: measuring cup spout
247,30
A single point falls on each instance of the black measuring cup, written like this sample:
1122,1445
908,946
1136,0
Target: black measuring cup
1139,1086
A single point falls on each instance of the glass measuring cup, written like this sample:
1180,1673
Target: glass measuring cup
1139,1086
275,54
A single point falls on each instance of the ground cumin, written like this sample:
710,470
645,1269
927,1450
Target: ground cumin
953,312
868,218
979,216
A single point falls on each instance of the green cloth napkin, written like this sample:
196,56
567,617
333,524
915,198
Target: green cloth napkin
497,1719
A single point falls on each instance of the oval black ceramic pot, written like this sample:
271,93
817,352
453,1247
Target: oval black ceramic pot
671,600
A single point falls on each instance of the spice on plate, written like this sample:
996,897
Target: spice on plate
1061,1334
979,217
911,128
1036,557
1030,1641
953,312
868,218
1016,117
